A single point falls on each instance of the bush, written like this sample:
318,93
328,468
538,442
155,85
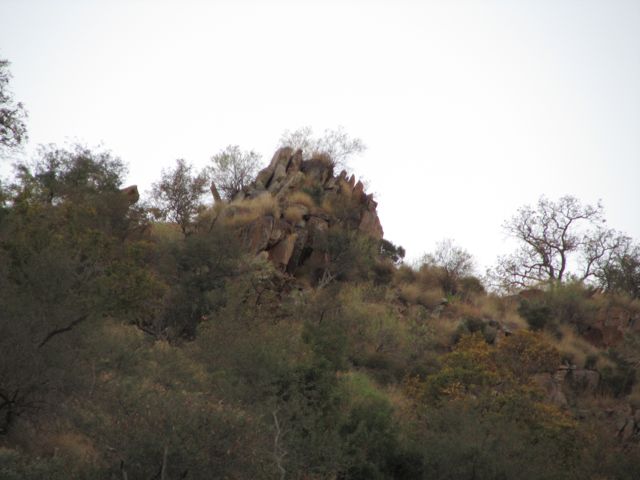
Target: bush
537,313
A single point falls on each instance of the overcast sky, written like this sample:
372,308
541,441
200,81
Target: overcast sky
469,109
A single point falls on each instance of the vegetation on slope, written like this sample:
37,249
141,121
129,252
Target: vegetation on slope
131,350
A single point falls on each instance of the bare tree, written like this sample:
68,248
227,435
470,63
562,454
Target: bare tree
454,260
551,235
335,143
178,195
232,170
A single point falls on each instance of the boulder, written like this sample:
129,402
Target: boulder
278,177
293,240
551,387
215,193
257,234
584,379
370,225
298,247
281,157
131,194
358,192
281,253
295,163
352,181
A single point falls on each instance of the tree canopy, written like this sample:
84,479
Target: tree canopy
557,240
13,129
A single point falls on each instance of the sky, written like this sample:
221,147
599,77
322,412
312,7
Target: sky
469,109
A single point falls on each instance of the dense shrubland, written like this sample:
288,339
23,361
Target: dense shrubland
146,340
132,350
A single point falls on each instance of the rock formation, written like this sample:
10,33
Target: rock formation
293,203
131,194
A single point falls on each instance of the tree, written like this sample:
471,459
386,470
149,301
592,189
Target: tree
335,143
454,260
13,130
620,271
64,259
453,263
550,236
178,195
232,170
59,174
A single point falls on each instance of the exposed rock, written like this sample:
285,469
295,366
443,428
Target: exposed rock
131,193
298,247
281,253
215,193
279,174
584,379
257,234
293,238
352,181
358,192
281,157
552,388
295,163
370,224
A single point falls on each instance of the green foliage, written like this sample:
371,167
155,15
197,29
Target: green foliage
68,174
198,269
395,253
17,466
13,130
132,351
537,313
177,196
567,303
232,170
622,273
619,378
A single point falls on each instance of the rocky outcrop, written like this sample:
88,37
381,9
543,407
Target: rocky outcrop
131,194
308,202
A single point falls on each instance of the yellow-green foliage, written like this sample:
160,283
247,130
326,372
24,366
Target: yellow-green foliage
166,232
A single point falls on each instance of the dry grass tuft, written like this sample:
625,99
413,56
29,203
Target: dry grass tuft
415,294
242,212
294,213
301,198
576,349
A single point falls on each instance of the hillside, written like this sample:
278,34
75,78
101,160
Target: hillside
278,334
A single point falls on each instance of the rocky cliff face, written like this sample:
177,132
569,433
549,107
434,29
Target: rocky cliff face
293,204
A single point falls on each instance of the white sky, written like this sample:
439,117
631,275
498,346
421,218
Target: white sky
469,109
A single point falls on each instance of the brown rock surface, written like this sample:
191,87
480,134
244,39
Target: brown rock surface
291,240
131,193
281,253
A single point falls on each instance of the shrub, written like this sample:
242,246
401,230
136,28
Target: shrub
617,380
536,313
